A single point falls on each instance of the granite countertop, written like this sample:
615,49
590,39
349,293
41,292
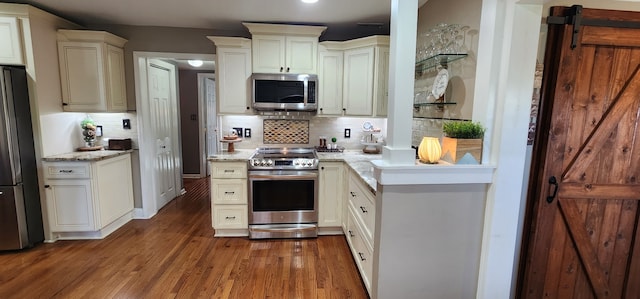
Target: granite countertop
85,156
356,159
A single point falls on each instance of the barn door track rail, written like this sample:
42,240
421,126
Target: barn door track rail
575,18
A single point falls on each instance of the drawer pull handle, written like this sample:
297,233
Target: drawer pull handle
351,234
229,170
363,209
47,186
230,217
65,171
229,192
353,194
362,256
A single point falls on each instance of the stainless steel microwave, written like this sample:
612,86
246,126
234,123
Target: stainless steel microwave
292,92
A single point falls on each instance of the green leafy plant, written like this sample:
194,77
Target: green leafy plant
463,129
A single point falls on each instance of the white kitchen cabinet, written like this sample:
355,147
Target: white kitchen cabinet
358,81
92,71
229,214
284,48
331,194
88,200
233,74
330,70
381,81
360,226
11,45
363,66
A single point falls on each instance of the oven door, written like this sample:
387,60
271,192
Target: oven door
283,197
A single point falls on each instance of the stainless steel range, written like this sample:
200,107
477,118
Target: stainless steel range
283,193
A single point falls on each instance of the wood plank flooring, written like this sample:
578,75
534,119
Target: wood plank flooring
174,255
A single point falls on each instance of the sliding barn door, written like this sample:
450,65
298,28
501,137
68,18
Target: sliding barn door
582,236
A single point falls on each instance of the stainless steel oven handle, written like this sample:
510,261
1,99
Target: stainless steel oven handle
282,176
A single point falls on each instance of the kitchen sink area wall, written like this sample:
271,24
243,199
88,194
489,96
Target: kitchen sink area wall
318,126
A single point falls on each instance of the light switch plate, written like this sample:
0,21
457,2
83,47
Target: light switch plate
126,123
347,133
247,132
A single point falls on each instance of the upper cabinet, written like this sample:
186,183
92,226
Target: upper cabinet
11,45
233,74
353,77
284,48
92,71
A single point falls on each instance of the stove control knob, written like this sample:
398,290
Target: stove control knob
255,162
296,162
269,162
263,162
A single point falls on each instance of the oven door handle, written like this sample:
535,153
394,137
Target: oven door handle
283,176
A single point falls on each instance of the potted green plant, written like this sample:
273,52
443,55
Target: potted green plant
462,142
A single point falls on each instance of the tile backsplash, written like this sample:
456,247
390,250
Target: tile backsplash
317,126
285,131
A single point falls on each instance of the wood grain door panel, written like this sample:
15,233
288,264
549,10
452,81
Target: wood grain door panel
584,243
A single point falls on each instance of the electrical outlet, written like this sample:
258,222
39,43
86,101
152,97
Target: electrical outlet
126,123
238,131
347,133
247,132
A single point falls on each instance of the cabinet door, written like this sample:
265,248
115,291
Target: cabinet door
82,76
358,81
301,55
331,194
114,188
268,53
381,86
11,45
233,79
116,86
70,206
330,65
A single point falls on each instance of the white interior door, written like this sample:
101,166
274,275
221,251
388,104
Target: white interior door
209,140
163,109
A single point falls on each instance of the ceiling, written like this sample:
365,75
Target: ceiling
363,15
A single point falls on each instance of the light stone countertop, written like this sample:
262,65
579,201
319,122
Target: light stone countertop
88,156
356,159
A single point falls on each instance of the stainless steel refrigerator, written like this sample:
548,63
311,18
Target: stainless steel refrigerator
20,213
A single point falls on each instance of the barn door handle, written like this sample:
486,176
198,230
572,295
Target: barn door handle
554,182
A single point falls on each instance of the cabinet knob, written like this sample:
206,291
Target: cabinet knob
287,69
65,104
281,69
344,109
322,167
47,186
320,109
248,108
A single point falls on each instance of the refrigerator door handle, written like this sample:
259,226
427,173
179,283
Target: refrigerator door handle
10,126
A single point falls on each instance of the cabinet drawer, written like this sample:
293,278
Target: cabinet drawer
229,191
362,252
228,170
230,216
364,208
67,170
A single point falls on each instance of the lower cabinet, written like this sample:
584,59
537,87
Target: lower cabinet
331,193
359,226
229,212
88,200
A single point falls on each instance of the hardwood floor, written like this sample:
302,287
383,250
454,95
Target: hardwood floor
174,255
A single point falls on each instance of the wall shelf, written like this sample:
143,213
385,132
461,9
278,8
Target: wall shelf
434,61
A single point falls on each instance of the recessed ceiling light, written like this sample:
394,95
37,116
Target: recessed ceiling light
195,62
309,1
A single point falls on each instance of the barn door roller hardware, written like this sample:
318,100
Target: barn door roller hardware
575,18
